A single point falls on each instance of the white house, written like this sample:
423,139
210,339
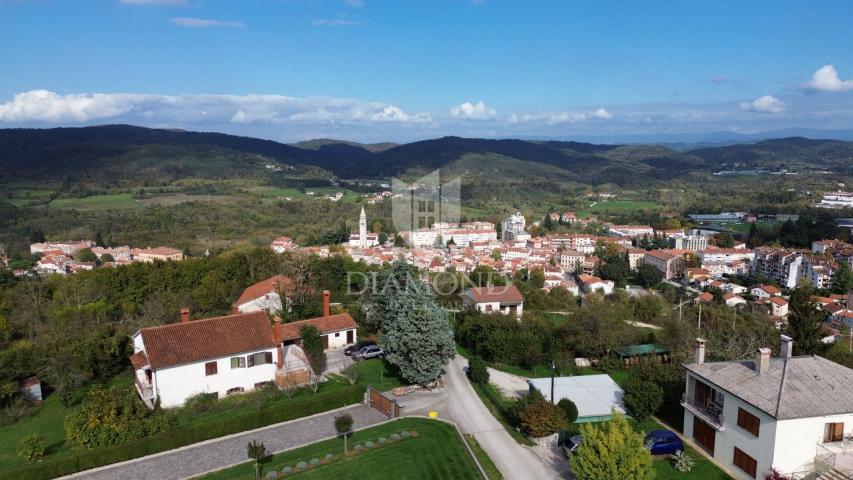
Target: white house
264,295
733,300
221,355
765,291
505,299
784,413
592,284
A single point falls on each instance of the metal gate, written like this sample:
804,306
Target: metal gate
388,407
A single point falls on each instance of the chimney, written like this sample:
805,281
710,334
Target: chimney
787,347
280,354
762,360
185,315
699,351
326,308
277,329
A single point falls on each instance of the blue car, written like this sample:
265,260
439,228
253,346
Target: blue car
663,442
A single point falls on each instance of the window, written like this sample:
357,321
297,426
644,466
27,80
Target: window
833,432
748,421
238,362
337,334
431,206
421,206
259,358
234,390
210,368
745,462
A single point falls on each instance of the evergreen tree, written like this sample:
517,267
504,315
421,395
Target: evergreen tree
804,321
389,282
842,279
312,343
416,333
611,450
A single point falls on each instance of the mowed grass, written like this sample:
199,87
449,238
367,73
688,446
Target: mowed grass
119,201
436,452
606,206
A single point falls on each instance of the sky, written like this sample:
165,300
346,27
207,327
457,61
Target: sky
402,70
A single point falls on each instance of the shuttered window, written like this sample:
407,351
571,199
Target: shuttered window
259,358
745,462
210,368
238,362
833,432
748,421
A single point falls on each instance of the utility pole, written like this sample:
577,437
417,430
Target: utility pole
700,317
553,371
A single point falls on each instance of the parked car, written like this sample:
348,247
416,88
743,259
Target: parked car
663,442
372,351
571,444
358,346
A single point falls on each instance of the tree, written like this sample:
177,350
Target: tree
569,408
415,333
389,282
842,279
540,418
725,240
804,321
642,399
256,451
478,372
86,255
611,450
648,275
343,425
312,344
62,372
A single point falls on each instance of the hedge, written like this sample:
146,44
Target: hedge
186,435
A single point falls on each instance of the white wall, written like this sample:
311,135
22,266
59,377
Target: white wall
796,440
176,384
270,302
339,339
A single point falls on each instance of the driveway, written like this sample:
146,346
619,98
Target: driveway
223,452
458,402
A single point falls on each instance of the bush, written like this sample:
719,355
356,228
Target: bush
368,444
301,465
329,457
405,434
359,447
539,418
569,408
202,402
642,399
31,448
343,423
271,475
287,470
382,440
315,461
611,450
682,462
394,437
477,370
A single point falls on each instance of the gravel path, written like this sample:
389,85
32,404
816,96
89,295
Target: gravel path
512,386
222,452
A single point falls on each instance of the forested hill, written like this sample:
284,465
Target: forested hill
130,153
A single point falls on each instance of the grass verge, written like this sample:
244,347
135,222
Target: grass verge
488,465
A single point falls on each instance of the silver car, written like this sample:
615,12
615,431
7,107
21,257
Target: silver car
370,351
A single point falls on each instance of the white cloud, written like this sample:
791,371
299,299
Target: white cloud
191,22
50,107
339,22
826,79
557,118
355,3
764,104
472,111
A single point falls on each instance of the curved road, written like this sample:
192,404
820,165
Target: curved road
460,403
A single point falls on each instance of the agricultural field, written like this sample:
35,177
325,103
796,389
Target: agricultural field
616,206
294,193
120,201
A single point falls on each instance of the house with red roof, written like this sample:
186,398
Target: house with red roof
264,295
503,299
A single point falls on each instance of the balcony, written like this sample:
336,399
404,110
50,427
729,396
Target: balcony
711,414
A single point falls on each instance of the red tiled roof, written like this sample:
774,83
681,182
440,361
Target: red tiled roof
778,301
332,323
705,297
139,360
264,287
507,295
198,340
770,289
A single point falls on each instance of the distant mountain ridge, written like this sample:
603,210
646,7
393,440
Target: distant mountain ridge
123,151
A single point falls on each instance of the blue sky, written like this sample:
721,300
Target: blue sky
402,70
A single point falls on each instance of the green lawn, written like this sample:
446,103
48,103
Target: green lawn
703,469
120,201
435,452
616,206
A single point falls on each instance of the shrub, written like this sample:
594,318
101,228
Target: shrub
315,461
394,437
301,465
287,470
359,447
539,418
202,402
112,416
343,423
611,449
641,398
682,462
368,444
271,475
31,448
382,440
405,434
477,370
569,408
329,457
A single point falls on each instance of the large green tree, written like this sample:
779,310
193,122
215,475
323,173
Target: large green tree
416,333
611,450
804,321
842,279
312,344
